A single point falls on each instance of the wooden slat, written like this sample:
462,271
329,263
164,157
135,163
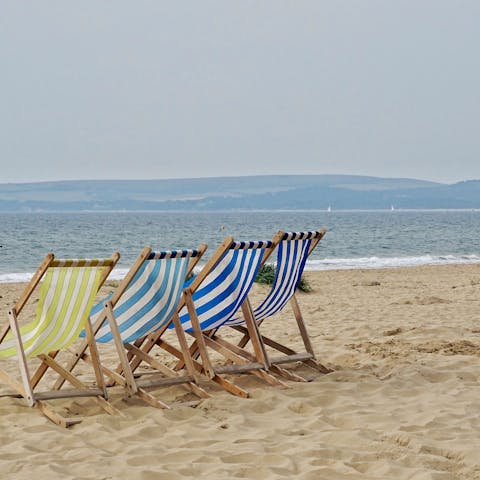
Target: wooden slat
55,417
233,368
297,357
163,382
67,393
151,400
18,387
230,386
37,276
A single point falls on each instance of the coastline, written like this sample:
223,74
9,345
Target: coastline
402,402
320,265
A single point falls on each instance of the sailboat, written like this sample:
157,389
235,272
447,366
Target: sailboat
329,209
392,208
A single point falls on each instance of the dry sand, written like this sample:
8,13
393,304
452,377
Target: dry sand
403,401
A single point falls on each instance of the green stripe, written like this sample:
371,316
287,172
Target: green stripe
65,326
68,334
51,314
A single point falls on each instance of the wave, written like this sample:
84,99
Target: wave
390,262
325,264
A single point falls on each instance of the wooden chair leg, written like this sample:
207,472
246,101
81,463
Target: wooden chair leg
96,363
22,360
197,332
255,337
184,347
131,386
301,326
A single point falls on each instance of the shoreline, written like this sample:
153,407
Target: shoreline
323,265
402,402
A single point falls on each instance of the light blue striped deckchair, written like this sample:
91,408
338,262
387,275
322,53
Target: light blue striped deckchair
214,296
66,296
145,302
293,249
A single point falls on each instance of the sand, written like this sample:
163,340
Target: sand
402,402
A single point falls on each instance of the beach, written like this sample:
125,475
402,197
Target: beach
402,400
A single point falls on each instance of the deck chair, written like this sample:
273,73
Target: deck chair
293,249
66,296
144,302
212,298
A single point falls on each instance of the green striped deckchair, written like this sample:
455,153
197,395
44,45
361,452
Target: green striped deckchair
66,296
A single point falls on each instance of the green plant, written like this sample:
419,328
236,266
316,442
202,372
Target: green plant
266,275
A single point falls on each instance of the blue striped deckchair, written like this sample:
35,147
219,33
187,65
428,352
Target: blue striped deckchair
145,302
293,249
214,296
66,297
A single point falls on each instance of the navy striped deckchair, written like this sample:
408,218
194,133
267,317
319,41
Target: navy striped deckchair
67,293
213,298
146,301
293,249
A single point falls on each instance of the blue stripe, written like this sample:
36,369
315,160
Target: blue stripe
249,263
165,313
146,308
286,278
220,279
175,271
122,307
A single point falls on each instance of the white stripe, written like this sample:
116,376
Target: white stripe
47,305
65,320
156,285
77,324
231,299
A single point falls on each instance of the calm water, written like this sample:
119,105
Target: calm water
354,239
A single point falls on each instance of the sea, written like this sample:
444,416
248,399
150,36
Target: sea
354,239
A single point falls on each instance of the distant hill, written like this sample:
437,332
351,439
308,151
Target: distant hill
288,192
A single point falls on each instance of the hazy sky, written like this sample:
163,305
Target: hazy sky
156,89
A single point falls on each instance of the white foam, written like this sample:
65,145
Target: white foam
324,264
390,262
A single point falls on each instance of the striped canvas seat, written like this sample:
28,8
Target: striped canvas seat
66,298
292,253
224,289
151,297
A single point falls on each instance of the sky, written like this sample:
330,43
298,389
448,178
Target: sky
141,89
